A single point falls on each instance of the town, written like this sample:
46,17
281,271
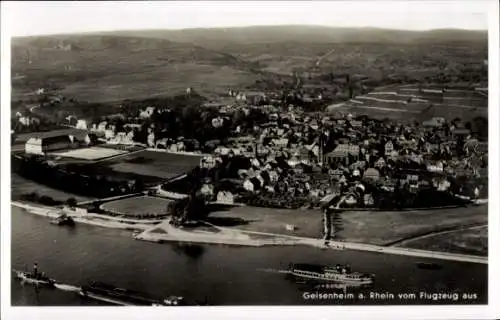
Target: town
183,157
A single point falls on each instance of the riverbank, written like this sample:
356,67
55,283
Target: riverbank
153,231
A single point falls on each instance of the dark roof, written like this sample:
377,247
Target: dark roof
56,139
78,133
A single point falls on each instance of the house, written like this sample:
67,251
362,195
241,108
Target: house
252,184
255,163
435,167
443,185
241,97
380,163
351,200
109,134
371,174
342,153
368,199
102,126
28,121
280,143
389,147
146,113
81,124
433,123
356,124
217,122
122,138
151,140
336,174
273,176
223,151
225,197
207,162
207,190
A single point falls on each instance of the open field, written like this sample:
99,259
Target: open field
163,80
154,164
308,222
138,206
386,227
471,241
371,227
22,186
92,153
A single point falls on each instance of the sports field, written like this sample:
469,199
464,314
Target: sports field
92,153
138,207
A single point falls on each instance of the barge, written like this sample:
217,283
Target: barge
125,297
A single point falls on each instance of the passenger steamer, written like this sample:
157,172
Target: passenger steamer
339,273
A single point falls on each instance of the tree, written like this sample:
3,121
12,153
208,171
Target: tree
71,202
139,185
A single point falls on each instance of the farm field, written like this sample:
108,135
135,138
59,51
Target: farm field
101,68
393,102
139,207
165,80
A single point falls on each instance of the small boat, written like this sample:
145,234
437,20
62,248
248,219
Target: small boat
429,266
125,297
62,220
35,278
339,273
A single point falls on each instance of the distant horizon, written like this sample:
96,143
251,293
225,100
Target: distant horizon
38,18
246,27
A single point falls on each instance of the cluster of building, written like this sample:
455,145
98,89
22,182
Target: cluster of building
297,154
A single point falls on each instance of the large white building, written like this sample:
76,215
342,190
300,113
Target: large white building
41,146
56,140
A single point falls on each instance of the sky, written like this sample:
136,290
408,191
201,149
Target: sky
52,17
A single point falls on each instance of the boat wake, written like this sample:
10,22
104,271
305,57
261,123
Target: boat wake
273,270
67,287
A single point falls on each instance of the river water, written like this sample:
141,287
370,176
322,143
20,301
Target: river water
218,274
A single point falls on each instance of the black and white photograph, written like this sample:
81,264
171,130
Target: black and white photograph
214,154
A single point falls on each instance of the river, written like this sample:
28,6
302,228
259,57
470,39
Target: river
218,274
